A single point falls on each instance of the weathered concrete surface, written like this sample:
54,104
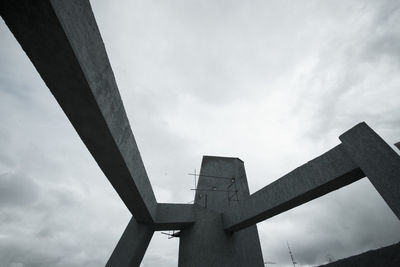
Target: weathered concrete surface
378,161
174,216
62,40
131,247
206,243
324,174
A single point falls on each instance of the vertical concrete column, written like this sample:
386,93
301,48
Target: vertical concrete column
377,160
221,186
131,247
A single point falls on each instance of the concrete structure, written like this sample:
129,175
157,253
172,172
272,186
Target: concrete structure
221,187
62,40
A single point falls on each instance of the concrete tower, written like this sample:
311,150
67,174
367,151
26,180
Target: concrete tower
221,186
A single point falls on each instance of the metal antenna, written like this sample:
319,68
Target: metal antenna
211,176
291,255
232,193
195,182
172,234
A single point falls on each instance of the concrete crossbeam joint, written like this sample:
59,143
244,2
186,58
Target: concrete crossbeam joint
174,216
379,162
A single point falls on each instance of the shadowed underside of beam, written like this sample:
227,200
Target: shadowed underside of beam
174,216
62,40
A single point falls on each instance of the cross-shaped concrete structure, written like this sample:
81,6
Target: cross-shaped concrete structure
62,40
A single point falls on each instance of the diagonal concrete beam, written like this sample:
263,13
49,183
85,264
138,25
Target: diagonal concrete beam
62,40
362,153
378,161
324,174
132,246
174,216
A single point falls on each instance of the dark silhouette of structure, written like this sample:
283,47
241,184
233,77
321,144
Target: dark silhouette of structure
62,40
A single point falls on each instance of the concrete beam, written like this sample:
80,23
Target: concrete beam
379,162
62,40
132,246
174,216
324,174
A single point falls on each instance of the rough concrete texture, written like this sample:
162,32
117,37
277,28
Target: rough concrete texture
324,174
206,243
132,245
62,40
174,216
378,161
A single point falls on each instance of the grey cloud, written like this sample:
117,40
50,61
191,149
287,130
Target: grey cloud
335,97
384,40
17,254
17,190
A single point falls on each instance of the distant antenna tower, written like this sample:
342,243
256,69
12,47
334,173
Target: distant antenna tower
291,255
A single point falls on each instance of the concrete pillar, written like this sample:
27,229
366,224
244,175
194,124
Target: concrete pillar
377,160
222,185
131,247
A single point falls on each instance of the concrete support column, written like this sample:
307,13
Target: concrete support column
377,160
221,186
131,247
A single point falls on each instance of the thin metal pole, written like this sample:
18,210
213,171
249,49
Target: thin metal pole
195,182
291,255
215,190
210,176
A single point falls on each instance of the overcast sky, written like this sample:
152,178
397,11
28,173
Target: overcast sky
271,82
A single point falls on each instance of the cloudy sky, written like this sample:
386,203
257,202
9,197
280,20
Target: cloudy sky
271,82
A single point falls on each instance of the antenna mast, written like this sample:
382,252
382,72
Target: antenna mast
291,255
